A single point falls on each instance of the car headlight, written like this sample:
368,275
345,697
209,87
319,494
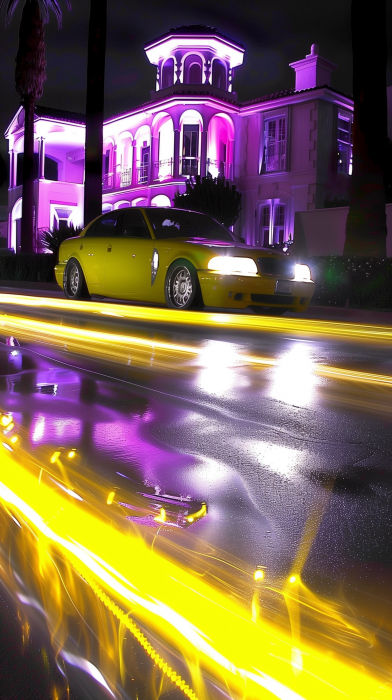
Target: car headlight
230,265
302,273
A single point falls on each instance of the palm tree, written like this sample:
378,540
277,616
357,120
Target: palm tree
94,109
29,78
366,227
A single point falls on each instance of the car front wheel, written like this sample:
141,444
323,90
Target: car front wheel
74,283
181,286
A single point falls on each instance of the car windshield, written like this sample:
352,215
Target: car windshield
174,223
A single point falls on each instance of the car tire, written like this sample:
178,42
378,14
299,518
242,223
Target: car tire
182,288
74,283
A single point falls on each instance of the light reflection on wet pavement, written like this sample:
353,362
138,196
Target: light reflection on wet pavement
224,467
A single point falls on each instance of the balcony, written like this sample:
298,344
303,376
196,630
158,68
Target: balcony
142,174
108,181
163,169
218,168
126,177
190,165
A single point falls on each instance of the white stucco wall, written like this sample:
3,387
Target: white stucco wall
322,231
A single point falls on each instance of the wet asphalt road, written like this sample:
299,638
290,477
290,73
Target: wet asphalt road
267,449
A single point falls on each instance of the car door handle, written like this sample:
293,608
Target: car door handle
81,247
109,248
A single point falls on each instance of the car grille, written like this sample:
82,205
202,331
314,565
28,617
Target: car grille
273,299
276,267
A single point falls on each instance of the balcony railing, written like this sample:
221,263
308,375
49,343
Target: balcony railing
142,174
163,169
107,181
126,177
190,166
218,168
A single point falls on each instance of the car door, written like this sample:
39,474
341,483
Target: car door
128,262
93,246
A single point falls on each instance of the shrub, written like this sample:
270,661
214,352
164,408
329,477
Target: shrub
27,267
353,281
51,239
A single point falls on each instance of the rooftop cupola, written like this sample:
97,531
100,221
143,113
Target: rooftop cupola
195,55
313,70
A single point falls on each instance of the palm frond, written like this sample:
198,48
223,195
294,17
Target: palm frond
45,6
9,11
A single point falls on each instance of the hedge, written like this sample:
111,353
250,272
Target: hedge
350,281
28,267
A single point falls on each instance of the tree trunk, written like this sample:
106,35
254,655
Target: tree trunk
366,227
27,228
94,110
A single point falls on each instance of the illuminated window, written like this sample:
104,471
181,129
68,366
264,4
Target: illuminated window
167,73
345,141
264,227
279,212
193,70
274,145
219,74
272,219
190,149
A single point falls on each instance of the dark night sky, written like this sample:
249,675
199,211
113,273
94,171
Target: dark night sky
274,34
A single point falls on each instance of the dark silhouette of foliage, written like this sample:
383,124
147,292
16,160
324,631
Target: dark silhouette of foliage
213,196
366,227
29,79
52,238
3,171
94,109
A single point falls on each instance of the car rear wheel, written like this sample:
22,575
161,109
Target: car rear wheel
74,283
181,286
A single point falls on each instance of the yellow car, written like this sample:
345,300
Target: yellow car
181,259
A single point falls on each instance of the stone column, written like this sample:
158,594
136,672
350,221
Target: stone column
203,151
176,154
152,159
134,165
41,158
12,169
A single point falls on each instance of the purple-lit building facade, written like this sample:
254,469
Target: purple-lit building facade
286,152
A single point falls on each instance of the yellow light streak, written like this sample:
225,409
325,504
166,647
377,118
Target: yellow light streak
161,518
189,614
293,326
119,346
199,514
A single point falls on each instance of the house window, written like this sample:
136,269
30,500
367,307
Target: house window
264,226
279,213
190,149
168,73
193,70
274,145
271,224
345,141
218,74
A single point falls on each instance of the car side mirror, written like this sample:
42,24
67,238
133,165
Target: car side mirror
242,239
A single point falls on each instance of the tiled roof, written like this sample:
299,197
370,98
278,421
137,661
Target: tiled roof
287,93
62,114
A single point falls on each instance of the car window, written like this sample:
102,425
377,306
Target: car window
174,223
135,225
110,224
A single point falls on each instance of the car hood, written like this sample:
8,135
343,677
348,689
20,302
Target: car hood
235,248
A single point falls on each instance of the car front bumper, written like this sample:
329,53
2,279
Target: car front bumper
241,292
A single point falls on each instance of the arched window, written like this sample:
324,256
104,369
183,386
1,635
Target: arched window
167,73
219,75
193,70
